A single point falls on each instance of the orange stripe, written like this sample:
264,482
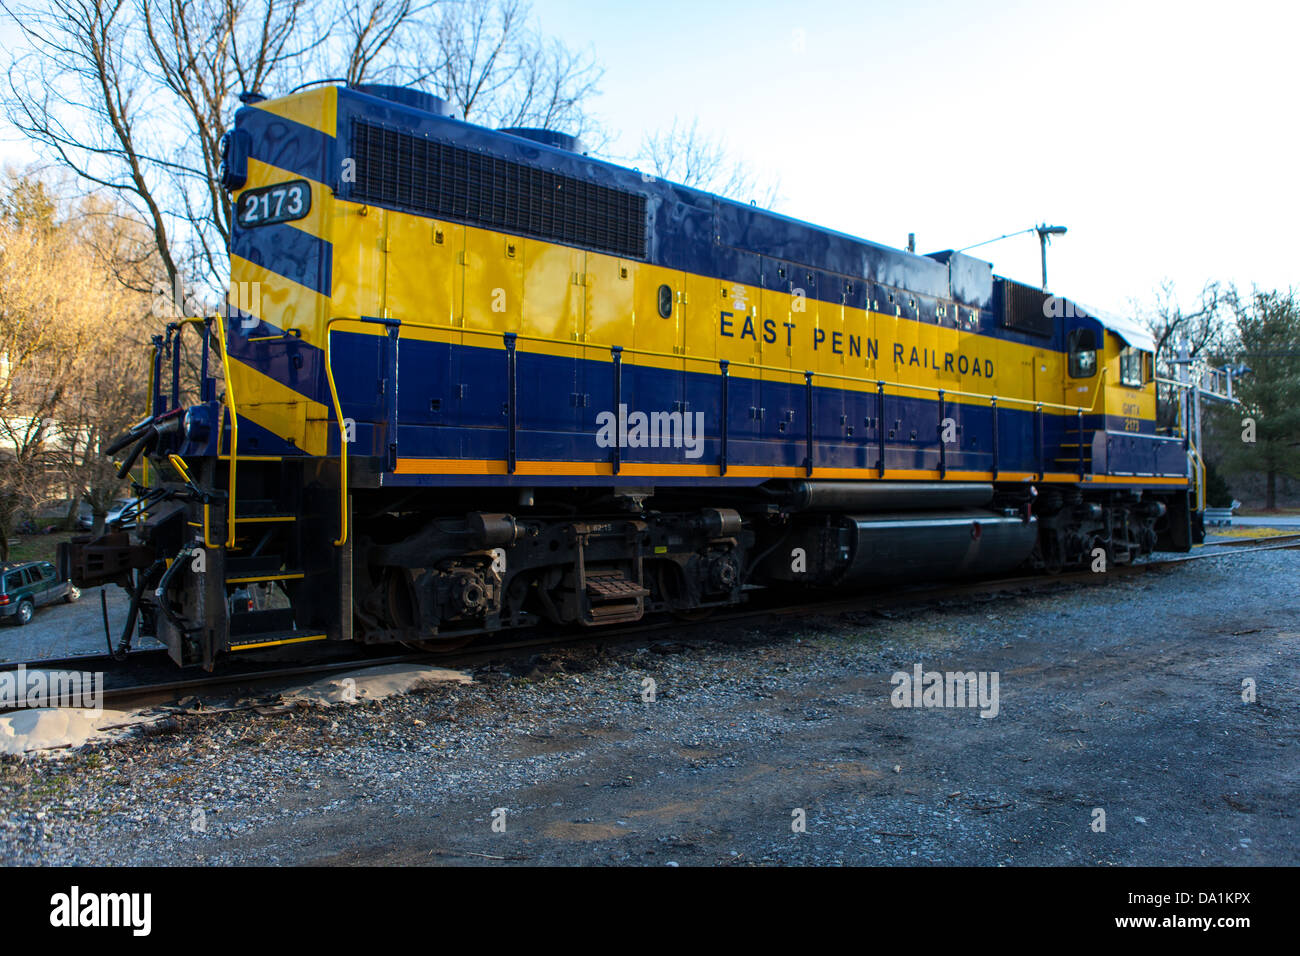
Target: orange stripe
588,469
1136,480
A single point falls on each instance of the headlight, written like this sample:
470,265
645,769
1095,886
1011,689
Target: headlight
198,424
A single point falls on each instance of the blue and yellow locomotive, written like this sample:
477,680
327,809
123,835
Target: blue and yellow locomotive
473,379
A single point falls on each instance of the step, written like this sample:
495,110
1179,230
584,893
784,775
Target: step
614,599
259,569
613,586
617,613
250,642
262,577
260,510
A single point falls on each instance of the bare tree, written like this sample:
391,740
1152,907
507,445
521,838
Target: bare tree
690,157
375,33
134,96
1204,326
72,361
494,66
108,380
206,52
41,287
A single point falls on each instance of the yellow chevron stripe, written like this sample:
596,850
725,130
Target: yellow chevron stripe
317,222
273,298
279,409
317,108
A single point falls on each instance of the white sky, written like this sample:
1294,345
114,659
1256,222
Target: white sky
1162,134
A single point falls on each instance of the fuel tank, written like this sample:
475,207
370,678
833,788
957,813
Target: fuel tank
861,550
863,496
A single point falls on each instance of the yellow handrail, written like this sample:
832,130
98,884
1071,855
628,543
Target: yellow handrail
1200,478
234,431
1029,402
342,539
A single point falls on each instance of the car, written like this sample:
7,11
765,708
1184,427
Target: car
27,585
86,519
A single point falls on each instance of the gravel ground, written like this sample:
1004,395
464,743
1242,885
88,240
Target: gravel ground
1124,697
69,630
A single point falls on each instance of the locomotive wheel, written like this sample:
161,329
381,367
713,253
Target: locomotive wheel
671,586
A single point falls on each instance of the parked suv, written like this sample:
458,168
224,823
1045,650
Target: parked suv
86,518
27,585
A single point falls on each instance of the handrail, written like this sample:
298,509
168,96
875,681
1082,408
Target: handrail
1200,478
152,409
627,350
342,539
234,431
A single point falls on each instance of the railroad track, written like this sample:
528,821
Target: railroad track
150,673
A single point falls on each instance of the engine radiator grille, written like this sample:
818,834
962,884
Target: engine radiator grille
1024,309
430,178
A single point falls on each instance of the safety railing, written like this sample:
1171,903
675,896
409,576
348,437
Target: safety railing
229,399
1206,382
618,353
170,346
1200,478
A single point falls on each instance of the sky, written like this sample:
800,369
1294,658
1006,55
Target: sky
1162,135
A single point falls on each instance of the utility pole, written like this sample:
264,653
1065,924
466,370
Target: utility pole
1044,232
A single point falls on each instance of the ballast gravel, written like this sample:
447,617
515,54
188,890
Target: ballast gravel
1147,719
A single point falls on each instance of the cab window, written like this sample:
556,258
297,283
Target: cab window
1083,353
1132,367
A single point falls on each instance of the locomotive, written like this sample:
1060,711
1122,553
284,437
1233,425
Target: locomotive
469,380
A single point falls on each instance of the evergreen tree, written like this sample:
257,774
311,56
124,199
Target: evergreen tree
1268,332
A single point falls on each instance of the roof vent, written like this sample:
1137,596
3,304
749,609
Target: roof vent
547,137
407,96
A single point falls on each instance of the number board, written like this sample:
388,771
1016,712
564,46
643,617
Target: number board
282,202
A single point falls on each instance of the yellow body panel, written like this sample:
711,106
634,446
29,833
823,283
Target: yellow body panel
360,260
424,271
1132,403
651,332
